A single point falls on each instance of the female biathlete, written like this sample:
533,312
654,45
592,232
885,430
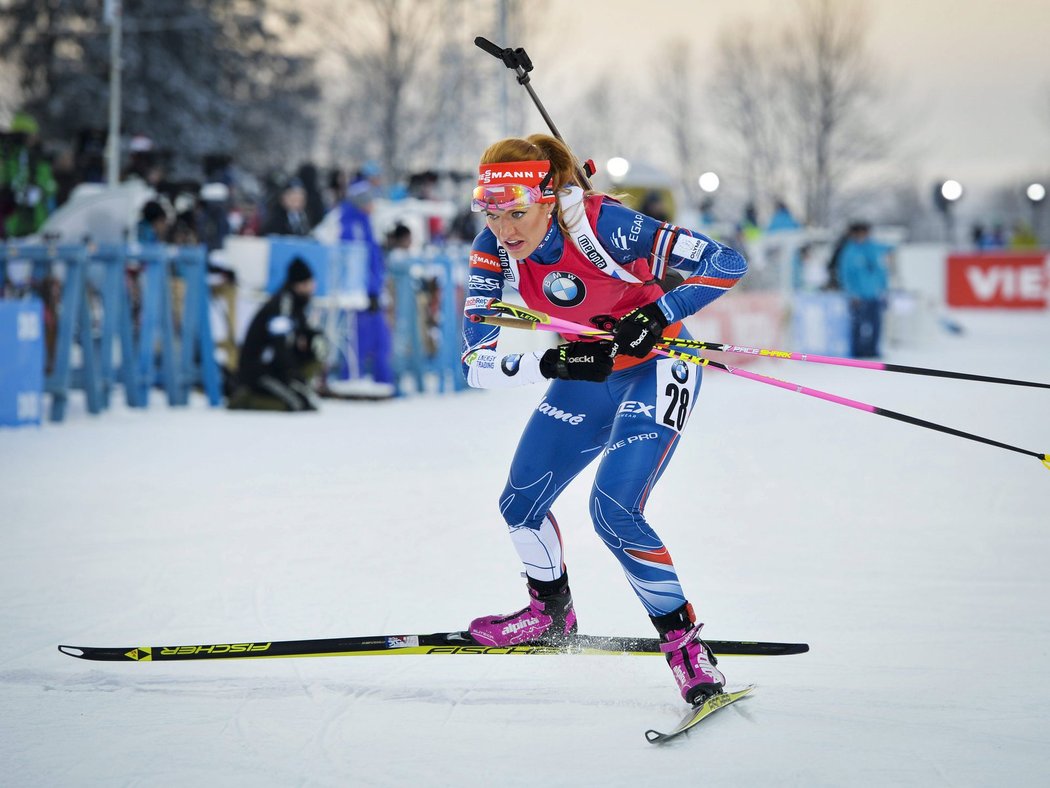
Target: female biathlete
584,257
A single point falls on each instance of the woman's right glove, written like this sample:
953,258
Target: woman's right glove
591,361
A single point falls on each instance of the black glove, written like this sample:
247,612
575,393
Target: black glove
591,361
638,331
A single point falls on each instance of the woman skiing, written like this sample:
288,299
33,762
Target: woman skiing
584,257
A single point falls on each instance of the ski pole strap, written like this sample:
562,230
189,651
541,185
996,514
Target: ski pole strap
540,320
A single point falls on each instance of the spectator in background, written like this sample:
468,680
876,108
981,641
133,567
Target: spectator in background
213,209
748,230
799,261
864,278
335,189
314,206
654,205
64,168
185,230
428,292
27,183
853,232
707,212
373,332
153,226
282,352
1023,237
90,155
782,219
372,172
289,217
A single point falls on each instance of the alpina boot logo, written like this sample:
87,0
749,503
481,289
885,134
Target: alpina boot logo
517,626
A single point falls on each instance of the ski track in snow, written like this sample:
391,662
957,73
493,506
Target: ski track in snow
913,562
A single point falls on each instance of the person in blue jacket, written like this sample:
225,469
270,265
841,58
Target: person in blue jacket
374,342
864,277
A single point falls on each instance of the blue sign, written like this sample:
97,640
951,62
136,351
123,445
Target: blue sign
820,324
21,362
284,249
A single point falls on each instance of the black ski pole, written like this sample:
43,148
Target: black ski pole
518,61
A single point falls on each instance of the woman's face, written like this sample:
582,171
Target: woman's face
520,230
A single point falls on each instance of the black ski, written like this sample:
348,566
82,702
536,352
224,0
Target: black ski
437,643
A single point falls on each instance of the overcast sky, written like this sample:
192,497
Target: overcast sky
971,77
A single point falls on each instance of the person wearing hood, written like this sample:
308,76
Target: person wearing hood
281,352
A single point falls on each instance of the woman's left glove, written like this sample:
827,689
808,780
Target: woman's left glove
638,331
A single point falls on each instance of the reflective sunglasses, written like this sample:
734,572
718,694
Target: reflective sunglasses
508,196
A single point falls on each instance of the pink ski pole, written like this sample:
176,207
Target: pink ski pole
699,344
532,319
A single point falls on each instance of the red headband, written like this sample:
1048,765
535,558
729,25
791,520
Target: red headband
527,173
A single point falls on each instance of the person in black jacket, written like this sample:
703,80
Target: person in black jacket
281,351
289,217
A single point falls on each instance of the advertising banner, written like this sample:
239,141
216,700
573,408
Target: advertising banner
1000,280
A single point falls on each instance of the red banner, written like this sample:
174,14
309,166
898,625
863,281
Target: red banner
1010,280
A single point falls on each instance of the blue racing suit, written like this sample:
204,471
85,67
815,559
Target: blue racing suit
630,423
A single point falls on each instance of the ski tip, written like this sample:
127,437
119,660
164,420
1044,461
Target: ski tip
700,711
72,651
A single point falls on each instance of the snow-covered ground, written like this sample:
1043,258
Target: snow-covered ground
913,562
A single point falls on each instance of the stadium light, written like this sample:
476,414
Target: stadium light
951,190
1035,192
709,182
617,167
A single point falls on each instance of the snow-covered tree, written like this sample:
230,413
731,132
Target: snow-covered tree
199,77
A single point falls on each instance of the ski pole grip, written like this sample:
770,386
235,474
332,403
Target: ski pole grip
488,46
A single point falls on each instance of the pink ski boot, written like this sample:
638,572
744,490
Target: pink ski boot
549,620
690,658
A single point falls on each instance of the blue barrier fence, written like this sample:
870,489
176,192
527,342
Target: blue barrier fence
115,321
428,314
137,317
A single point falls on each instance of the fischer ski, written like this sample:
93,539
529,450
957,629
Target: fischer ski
437,643
698,713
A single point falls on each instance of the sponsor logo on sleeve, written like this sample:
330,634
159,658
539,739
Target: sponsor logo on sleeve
636,227
476,302
508,269
511,364
482,283
688,247
486,262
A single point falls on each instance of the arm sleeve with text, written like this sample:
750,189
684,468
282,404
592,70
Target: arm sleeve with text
709,267
484,366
